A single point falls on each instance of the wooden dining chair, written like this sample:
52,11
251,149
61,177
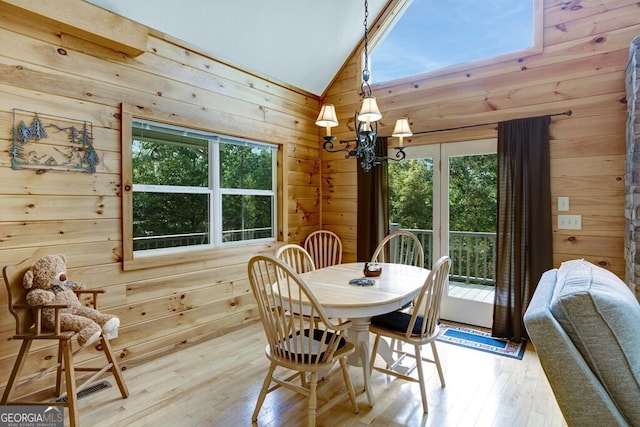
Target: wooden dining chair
29,328
400,247
325,248
296,257
417,329
300,261
282,295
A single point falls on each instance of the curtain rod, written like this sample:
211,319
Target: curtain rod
564,113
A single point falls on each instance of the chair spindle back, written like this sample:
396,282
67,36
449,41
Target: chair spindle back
283,301
297,257
400,247
428,302
325,248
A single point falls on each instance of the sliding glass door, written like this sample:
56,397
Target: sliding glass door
468,213
446,195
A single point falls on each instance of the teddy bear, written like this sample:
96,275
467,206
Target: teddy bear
46,283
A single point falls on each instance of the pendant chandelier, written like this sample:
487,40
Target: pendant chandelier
366,120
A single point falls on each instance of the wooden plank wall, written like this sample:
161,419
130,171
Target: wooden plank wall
581,68
46,70
59,72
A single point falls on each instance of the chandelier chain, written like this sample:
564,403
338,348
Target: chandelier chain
366,74
365,120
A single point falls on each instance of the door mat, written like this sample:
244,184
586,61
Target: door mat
480,340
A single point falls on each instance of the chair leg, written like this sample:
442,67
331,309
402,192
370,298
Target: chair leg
70,378
436,359
311,411
15,372
423,392
395,345
349,384
263,392
60,369
115,369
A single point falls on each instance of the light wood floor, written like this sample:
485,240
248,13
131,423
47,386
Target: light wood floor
215,383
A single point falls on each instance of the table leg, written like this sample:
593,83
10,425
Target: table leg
358,335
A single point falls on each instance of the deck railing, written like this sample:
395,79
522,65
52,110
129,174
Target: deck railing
169,241
191,239
472,254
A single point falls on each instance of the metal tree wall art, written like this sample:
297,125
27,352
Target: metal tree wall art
67,146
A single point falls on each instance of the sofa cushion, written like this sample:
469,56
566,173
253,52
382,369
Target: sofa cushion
602,318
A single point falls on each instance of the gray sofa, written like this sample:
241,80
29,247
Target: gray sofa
584,323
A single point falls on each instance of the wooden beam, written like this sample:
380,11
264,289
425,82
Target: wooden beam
85,21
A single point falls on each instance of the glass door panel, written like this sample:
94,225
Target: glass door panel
446,195
469,218
414,197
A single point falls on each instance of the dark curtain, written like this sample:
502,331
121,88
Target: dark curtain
523,246
373,205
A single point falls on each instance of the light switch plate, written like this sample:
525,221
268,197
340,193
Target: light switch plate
563,203
570,222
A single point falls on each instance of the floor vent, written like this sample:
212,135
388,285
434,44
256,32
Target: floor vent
86,392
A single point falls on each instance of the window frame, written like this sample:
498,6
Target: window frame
132,260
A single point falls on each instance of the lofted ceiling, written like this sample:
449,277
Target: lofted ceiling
302,43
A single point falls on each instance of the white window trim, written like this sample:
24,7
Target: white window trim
191,253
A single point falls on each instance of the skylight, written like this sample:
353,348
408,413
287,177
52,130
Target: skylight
434,34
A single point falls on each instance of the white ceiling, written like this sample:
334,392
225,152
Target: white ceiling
303,43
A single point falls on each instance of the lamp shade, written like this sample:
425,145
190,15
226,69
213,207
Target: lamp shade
369,111
327,117
402,128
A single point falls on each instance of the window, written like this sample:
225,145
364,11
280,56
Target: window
430,35
194,189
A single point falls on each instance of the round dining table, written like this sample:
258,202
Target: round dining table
396,286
